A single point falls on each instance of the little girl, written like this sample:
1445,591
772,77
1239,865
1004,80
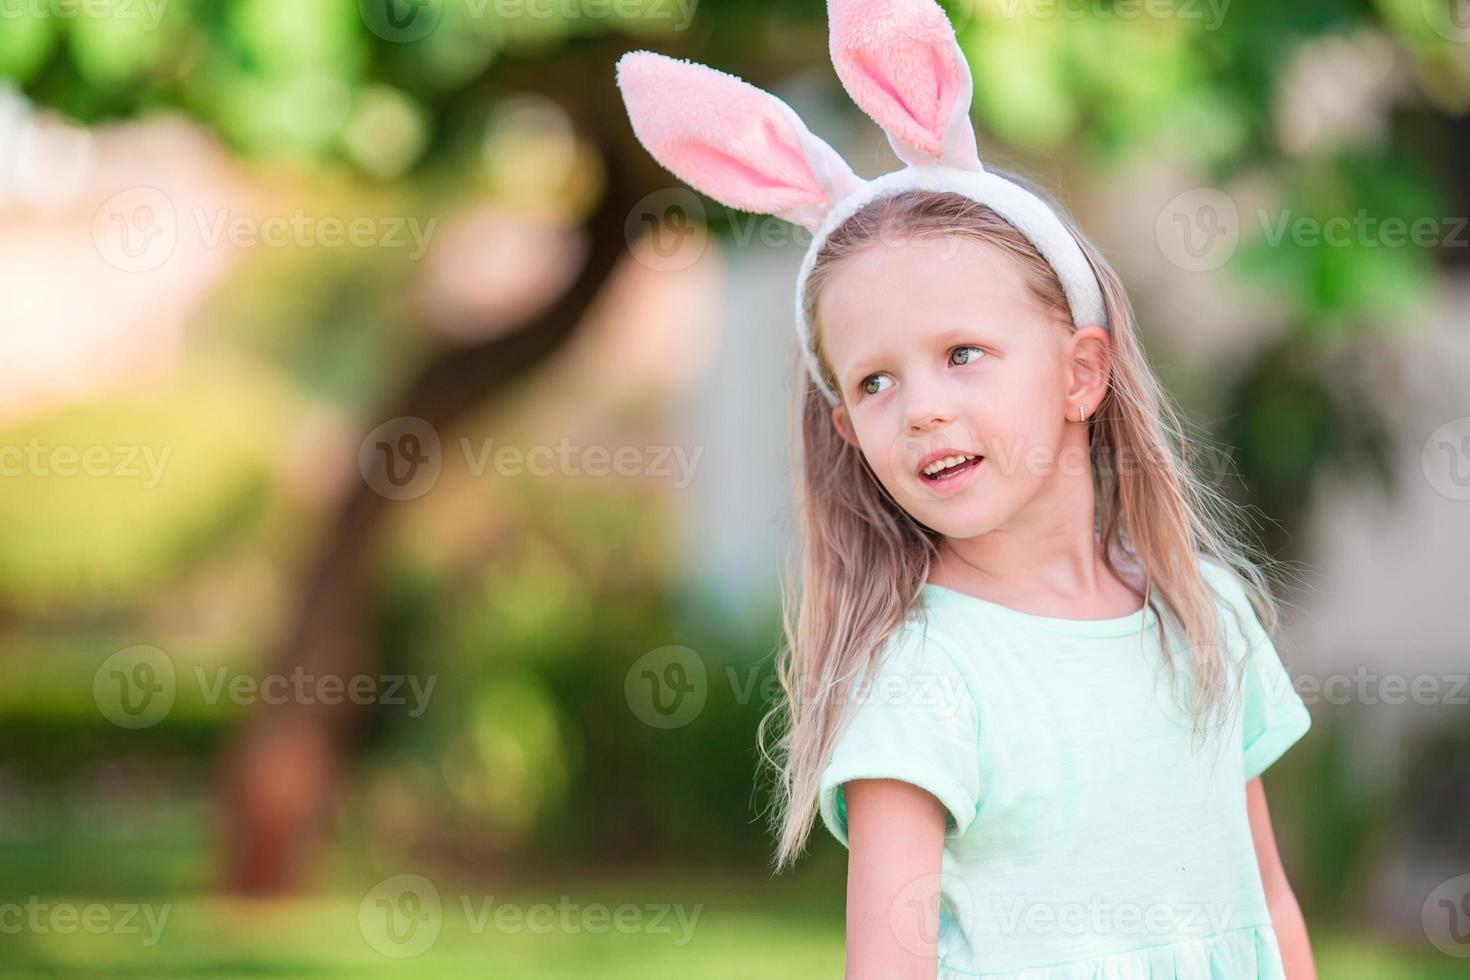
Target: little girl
1029,682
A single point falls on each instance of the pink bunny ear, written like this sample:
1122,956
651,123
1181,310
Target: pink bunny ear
723,136
900,62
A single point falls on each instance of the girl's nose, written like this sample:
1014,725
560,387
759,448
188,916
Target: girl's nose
929,403
928,409
923,423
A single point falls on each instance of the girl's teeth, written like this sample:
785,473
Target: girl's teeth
944,464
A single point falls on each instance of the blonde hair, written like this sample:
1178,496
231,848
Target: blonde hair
863,560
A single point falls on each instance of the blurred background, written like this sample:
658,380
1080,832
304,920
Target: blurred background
395,483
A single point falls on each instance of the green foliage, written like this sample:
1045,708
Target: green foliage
531,744
532,730
1332,826
25,45
1352,246
107,501
1300,409
365,81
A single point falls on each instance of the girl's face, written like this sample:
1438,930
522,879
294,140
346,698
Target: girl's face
938,347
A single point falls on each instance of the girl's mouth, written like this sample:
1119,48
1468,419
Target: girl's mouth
948,476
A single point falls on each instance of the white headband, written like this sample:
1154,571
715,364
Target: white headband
900,62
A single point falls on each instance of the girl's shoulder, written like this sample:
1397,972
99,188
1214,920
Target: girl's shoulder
1221,578
911,716
920,644
1232,596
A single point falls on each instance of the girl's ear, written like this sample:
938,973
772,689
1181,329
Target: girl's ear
843,425
723,136
900,62
1088,350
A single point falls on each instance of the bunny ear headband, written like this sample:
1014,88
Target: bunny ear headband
900,62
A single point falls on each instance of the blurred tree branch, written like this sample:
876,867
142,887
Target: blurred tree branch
279,778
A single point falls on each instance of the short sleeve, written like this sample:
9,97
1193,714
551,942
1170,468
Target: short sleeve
1273,715
917,722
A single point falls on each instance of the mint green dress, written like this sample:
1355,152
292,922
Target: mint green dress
1087,837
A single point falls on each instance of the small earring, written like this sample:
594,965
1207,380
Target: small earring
1079,414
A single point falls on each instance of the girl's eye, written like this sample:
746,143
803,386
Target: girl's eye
970,353
966,347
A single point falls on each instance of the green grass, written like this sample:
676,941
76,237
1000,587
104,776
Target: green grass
733,927
323,938
648,926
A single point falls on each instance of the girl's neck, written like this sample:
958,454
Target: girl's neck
1064,584
1049,565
